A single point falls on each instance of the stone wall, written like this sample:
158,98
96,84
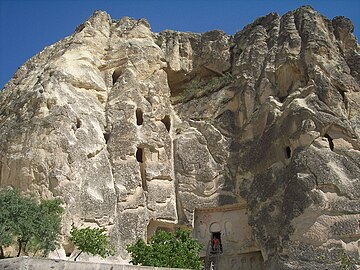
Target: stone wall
230,225
28,263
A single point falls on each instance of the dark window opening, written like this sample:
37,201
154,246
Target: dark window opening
167,122
139,155
117,73
78,122
330,140
139,117
282,99
141,159
288,152
216,246
106,137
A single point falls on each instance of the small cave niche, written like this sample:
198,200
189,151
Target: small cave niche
140,157
282,99
330,140
139,117
167,122
176,81
68,248
106,137
186,86
78,122
116,74
288,152
75,126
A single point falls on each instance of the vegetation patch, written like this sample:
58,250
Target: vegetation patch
93,241
31,225
167,249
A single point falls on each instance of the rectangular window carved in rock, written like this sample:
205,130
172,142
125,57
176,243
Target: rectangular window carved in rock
139,117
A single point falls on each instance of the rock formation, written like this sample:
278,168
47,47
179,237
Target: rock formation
130,127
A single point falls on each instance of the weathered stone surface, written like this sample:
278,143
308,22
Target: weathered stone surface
28,263
129,126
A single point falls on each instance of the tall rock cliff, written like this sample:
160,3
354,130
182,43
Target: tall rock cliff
131,127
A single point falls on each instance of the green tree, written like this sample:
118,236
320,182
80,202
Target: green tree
7,200
33,225
48,226
167,249
93,241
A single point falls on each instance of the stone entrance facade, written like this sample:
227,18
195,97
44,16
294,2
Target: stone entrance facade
230,224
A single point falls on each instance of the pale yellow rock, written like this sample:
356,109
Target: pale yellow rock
136,131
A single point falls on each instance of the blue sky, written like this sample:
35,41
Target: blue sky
27,26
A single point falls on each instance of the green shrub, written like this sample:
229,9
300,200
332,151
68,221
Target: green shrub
93,241
35,227
167,249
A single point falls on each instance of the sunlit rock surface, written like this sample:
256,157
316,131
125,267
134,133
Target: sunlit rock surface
129,127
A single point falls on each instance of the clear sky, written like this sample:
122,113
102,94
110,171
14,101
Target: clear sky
27,26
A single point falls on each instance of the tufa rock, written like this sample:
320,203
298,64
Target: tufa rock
131,127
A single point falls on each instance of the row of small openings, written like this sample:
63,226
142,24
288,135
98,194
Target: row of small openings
140,119
139,112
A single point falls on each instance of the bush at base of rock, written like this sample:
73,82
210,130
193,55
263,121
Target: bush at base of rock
34,227
167,249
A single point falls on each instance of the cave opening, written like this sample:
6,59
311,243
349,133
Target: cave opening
78,122
330,140
139,117
116,74
216,242
140,157
167,122
288,152
106,137
282,99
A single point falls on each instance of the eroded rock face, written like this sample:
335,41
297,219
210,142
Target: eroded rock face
129,126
